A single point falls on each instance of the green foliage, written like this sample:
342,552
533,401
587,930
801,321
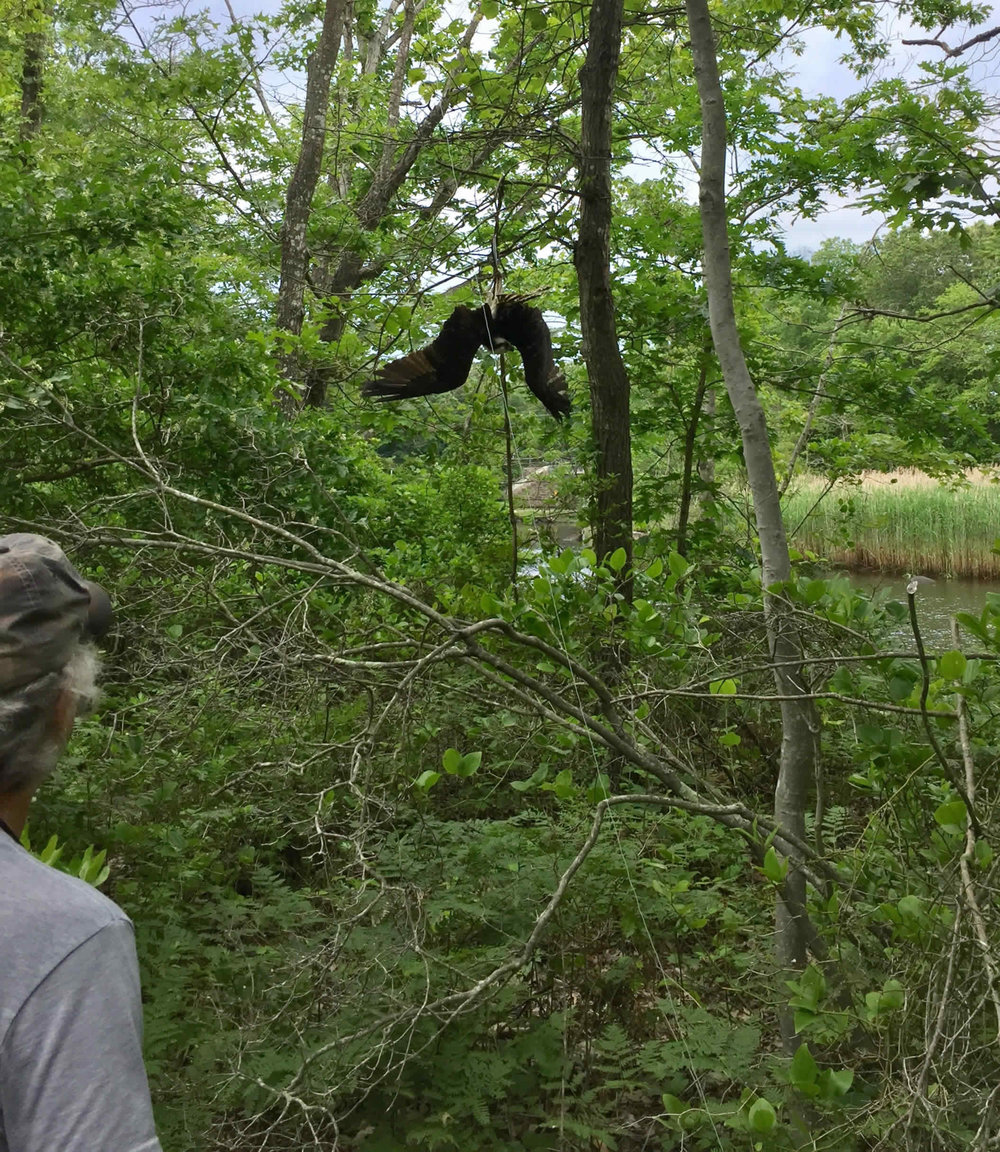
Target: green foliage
443,530
89,866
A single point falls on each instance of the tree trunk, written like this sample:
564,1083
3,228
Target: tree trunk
609,384
32,64
302,186
393,168
798,717
690,440
706,462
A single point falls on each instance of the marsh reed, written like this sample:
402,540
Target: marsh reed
902,521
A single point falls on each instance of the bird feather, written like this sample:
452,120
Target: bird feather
446,362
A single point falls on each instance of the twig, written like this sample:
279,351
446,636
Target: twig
818,395
866,313
937,42
509,451
255,74
938,1033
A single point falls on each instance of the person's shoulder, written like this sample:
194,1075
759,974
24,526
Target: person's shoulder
42,902
45,917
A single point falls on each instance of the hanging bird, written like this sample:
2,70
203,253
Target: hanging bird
446,362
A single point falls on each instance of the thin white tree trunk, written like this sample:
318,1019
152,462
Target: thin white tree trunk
798,717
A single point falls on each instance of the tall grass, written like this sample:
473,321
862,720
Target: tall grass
900,521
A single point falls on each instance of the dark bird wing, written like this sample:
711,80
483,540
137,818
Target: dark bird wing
524,327
440,367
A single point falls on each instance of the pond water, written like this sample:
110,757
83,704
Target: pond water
937,602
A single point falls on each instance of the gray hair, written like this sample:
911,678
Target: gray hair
29,743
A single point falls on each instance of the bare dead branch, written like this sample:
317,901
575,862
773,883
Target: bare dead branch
937,42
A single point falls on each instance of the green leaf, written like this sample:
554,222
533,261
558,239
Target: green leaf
900,688
672,1105
810,988
489,605
722,687
539,776
426,780
452,760
560,564
600,789
537,18
802,1071
679,567
952,815
655,570
837,1082
616,561
92,869
729,739
974,625
762,1117
52,851
803,1019
815,591
774,868
490,9
910,907
469,764
951,665
892,997
562,786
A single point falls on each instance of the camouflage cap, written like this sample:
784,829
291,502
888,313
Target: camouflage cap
46,608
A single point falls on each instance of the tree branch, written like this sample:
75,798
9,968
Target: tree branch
937,42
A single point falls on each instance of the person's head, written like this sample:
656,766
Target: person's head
48,668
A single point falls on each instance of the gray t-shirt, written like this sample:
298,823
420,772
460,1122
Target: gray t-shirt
71,1071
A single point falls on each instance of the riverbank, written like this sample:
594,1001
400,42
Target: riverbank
900,521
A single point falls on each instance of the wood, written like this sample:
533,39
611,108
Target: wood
32,66
302,185
347,273
609,384
799,723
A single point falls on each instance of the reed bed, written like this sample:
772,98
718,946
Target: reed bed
902,521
